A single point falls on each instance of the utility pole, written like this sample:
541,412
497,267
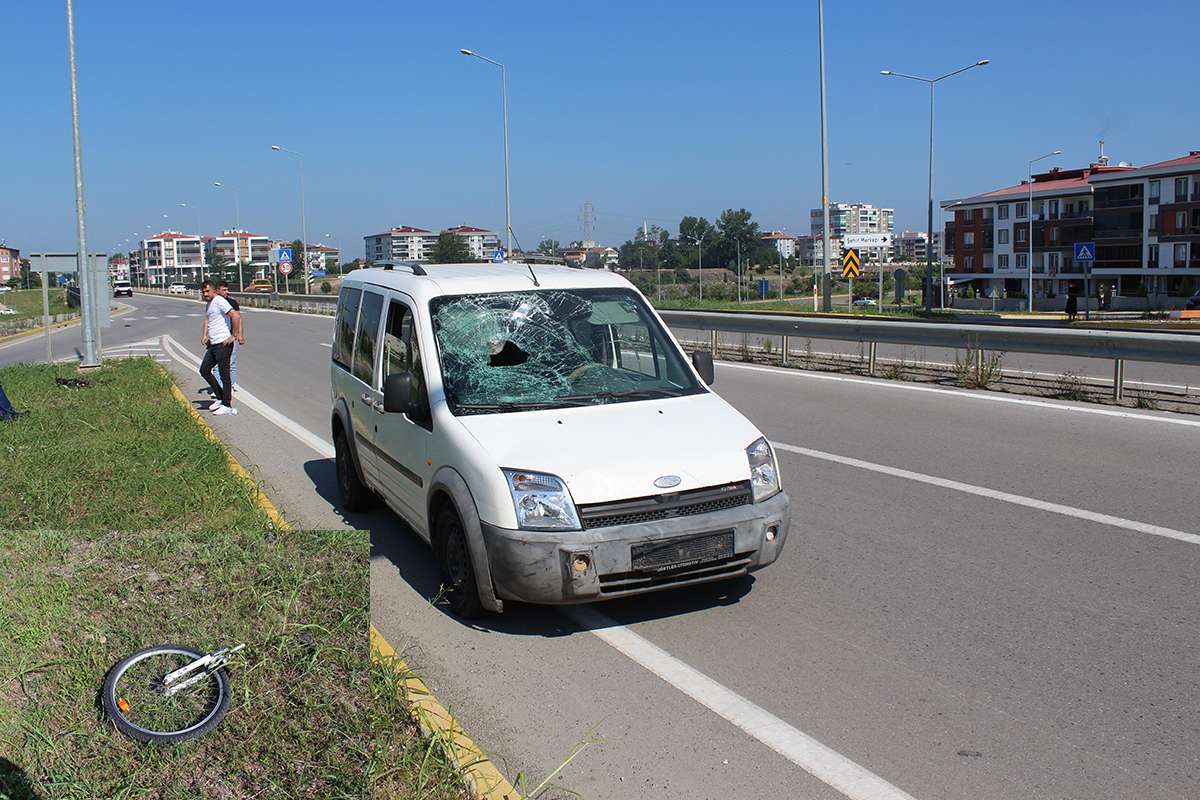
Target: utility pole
87,309
826,276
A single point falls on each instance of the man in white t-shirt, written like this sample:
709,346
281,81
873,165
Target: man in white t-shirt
222,327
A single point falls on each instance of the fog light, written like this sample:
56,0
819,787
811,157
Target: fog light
581,562
772,532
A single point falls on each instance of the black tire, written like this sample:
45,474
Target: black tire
353,494
454,560
201,727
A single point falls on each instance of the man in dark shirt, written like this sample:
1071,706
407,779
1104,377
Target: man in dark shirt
223,290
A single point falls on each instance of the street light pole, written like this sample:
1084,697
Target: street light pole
928,284
826,275
504,104
237,209
303,221
87,310
1029,217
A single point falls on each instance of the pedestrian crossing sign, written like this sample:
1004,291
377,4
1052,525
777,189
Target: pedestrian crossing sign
285,255
1085,251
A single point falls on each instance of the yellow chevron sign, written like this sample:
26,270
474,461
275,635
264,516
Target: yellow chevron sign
850,264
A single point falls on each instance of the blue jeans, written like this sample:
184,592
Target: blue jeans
232,368
7,412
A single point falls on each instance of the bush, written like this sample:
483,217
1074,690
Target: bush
326,287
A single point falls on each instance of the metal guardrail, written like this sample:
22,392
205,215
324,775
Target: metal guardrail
1118,346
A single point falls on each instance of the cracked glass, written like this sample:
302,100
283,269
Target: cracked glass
516,351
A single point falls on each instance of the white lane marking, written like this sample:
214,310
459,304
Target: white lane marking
188,359
195,315
326,344
149,317
172,316
908,387
995,494
823,763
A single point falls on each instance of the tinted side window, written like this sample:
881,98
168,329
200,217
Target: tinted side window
368,332
343,325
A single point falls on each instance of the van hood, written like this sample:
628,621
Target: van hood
616,451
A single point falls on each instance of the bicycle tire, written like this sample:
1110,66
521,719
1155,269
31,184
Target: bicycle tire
196,730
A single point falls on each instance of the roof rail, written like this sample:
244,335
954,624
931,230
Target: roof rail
415,266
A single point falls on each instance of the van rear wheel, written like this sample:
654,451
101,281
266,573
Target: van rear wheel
454,560
351,491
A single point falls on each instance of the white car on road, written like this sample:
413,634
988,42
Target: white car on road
122,288
176,288
544,432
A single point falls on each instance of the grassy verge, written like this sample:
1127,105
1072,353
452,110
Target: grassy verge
307,716
121,453
28,303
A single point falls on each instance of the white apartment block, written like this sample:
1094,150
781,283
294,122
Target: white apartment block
10,264
482,243
242,247
784,242
846,218
403,243
173,257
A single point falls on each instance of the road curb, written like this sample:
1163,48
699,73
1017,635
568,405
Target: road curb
234,465
484,779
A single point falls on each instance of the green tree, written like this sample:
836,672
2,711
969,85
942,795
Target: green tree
451,249
216,262
548,247
693,230
735,230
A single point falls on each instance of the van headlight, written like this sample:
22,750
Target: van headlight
542,501
764,475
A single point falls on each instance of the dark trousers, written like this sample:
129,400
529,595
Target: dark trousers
217,355
7,412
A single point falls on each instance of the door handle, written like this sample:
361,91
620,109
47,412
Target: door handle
366,398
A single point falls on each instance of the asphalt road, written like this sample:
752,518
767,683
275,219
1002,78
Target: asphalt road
983,596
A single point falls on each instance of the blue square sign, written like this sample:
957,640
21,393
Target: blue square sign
1085,251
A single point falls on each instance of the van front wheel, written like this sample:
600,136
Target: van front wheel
454,559
352,493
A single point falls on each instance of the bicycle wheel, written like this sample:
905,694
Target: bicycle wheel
135,699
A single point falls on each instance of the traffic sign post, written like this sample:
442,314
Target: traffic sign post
850,269
1085,253
498,256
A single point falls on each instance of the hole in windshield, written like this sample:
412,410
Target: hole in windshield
546,349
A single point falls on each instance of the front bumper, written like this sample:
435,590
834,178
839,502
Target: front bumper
583,566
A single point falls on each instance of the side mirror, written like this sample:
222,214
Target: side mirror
702,360
399,393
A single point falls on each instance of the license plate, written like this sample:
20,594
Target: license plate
671,554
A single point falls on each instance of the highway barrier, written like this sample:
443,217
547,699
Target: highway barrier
1118,346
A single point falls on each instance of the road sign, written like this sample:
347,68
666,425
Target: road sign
285,255
285,267
851,264
317,273
764,288
498,256
857,240
1085,251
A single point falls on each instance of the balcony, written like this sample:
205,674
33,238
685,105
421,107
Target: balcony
1119,202
1118,233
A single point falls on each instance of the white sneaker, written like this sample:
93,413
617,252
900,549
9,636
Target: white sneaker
223,410
214,405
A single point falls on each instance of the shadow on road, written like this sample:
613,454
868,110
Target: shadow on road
14,783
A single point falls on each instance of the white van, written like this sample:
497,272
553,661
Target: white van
541,428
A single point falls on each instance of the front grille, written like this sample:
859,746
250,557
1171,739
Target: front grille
619,583
666,506
678,553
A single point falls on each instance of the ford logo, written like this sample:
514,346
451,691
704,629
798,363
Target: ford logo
668,481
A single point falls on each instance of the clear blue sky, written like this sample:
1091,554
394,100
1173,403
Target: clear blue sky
648,110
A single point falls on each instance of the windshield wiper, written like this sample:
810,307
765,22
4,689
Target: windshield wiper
505,406
627,394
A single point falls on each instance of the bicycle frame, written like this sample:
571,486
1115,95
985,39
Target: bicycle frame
208,664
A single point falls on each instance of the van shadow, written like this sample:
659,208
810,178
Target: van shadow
14,783
392,539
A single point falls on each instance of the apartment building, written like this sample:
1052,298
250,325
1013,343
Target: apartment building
1147,228
403,243
811,250
10,264
1145,222
911,246
783,241
173,256
481,242
237,246
845,218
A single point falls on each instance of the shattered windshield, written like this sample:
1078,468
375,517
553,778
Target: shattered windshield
516,351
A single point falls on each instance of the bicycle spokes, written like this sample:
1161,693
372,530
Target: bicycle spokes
146,701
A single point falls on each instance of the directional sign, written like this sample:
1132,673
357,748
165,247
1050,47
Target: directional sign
285,255
866,240
498,256
1085,251
285,267
851,264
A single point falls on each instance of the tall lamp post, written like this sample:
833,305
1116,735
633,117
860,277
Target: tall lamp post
826,275
932,83
237,210
1029,216
504,105
303,224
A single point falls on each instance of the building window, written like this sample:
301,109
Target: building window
968,217
1180,221
1022,260
1154,192
1154,223
1054,209
1054,234
1152,256
1022,210
1020,234
1002,211
968,239
1002,236
1181,190
968,263
1002,260
1083,206
1181,255
1054,261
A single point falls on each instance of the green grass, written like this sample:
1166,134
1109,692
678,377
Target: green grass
304,721
122,454
28,303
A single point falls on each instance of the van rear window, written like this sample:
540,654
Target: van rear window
343,325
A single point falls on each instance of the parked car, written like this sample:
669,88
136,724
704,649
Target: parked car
176,288
122,288
863,302
5,289
260,285
1193,302
541,429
